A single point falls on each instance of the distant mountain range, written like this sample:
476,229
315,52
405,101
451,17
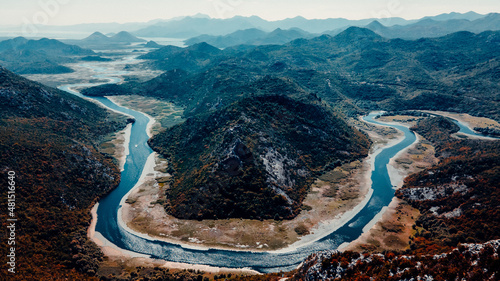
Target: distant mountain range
194,26
252,36
429,27
457,72
25,56
122,37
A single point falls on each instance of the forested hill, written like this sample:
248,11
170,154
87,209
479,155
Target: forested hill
255,158
48,139
357,67
458,200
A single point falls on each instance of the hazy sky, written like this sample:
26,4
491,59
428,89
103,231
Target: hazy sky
63,12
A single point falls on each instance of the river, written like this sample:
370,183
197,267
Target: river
108,226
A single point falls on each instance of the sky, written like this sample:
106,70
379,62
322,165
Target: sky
67,12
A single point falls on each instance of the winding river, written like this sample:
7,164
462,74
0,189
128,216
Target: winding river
108,226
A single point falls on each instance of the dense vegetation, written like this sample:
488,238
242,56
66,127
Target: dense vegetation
458,198
49,139
255,158
467,262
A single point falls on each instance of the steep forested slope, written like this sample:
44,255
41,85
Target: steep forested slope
48,139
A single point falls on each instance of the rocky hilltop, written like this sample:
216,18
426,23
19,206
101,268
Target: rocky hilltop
255,158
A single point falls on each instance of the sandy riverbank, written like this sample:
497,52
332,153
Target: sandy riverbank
123,151
115,253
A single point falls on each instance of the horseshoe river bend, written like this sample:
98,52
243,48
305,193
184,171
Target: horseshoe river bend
109,226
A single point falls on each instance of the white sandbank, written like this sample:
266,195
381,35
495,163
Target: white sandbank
111,250
126,134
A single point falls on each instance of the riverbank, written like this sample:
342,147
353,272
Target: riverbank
392,228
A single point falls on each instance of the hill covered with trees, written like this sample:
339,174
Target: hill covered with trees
255,158
43,56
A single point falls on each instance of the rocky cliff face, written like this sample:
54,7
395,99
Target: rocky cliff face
255,158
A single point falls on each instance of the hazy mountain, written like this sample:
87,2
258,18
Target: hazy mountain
432,27
194,57
97,39
39,56
251,36
191,27
125,37
236,38
188,27
50,47
456,16
153,44
12,44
